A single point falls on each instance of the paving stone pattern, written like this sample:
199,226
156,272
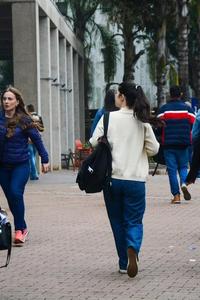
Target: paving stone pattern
71,254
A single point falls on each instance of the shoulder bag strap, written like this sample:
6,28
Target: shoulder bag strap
8,259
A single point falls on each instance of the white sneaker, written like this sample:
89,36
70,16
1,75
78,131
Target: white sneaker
122,271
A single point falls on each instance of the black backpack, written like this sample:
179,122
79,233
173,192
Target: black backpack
159,157
5,236
96,169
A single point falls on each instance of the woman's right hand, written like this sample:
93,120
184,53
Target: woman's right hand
45,168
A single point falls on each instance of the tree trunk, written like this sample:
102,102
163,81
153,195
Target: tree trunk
79,30
161,63
129,50
197,61
198,57
130,55
183,68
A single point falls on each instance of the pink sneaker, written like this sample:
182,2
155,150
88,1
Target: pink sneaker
20,236
24,234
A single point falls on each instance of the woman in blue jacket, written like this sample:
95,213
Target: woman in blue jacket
109,105
16,127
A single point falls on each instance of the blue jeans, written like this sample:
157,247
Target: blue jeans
13,180
190,150
32,160
177,160
125,204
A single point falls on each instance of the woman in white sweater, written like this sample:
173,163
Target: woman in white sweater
132,140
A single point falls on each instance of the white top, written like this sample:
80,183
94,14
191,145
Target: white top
131,143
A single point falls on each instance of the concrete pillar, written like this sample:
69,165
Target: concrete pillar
63,95
55,90
81,97
70,98
76,96
25,62
45,83
38,106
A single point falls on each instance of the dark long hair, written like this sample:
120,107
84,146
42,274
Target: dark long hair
109,101
21,117
136,100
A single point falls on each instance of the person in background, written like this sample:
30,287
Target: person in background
176,140
109,105
188,102
34,174
132,140
194,171
16,128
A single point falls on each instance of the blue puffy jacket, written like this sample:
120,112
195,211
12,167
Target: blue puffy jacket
178,118
14,150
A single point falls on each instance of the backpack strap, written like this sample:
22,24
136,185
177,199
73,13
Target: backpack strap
105,122
156,167
105,125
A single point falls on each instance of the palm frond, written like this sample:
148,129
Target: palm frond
151,59
110,52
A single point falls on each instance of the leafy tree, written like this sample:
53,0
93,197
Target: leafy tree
110,50
177,42
129,18
158,25
194,46
188,53
81,14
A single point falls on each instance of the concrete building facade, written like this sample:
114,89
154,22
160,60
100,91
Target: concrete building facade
47,67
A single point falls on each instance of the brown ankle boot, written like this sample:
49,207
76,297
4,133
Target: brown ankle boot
176,199
132,269
185,191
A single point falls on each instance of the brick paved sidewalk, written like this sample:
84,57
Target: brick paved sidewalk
71,255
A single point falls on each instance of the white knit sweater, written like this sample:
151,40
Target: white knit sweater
131,143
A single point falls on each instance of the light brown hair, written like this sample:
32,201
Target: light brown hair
21,117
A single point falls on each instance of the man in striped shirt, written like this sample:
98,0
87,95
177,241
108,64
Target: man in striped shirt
176,139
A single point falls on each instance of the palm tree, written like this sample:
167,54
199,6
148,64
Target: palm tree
110,52
79,13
